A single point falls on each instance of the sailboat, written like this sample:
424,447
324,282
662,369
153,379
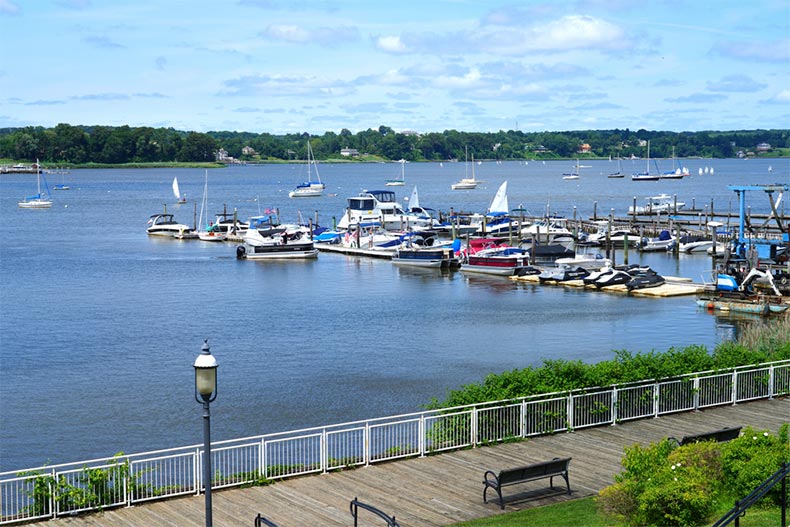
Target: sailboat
63,185
177,192
646,175
206,231
676,172
497,220
574,174
37,201
619,173
467,183
398,182
309,188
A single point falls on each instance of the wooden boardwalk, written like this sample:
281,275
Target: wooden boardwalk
442,489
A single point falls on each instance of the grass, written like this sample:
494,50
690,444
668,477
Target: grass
584,513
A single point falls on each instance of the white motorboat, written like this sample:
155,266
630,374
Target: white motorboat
276,243
549,230
593,261
37,201
616,235
694,244
663,242
164,224
381,206
661,204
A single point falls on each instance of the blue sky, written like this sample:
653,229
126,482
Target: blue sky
290,66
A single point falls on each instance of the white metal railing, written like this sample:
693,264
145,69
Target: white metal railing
56,490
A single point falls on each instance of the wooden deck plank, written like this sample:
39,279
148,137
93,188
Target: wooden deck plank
439,489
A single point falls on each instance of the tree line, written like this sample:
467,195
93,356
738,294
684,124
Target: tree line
77,145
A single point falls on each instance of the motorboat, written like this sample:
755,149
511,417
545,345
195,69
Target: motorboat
616,234
549,230
755,305
485,256
663,242
372,235
431,257
164,224
563,274
592,261
660,204
381,206
276,243
548,252
694,244
229,223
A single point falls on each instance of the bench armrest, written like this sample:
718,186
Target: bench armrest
490,479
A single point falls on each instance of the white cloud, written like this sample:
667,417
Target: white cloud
391,44
7,7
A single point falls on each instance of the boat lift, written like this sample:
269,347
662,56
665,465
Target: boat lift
766,247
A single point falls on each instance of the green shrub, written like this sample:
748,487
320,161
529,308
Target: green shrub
752,458
663,485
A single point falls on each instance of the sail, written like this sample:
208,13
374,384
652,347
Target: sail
414,200
499,203
176,191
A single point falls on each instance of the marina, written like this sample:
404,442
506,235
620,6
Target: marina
151,300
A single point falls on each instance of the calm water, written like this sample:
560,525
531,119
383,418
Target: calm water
100,323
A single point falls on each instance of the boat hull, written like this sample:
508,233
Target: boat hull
277,251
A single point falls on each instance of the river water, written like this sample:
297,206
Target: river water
101,324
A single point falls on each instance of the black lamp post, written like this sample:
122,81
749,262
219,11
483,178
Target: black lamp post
205,392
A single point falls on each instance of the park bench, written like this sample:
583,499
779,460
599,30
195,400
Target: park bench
723,434
513,476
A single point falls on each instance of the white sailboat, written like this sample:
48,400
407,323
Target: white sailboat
206,231
177,192
37,201
398,182
573,175
467,183
646,175
309,188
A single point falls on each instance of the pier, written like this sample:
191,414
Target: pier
441,489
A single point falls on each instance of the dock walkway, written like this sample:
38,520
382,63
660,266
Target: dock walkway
441,489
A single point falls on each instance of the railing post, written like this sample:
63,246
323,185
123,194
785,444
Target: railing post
696,394
523,424
614,405
422,431
771,379
196,470
656,397
324,453
734,387
569,411
473,427
262,470
368,446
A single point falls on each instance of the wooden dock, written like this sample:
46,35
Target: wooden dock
674,286
441,489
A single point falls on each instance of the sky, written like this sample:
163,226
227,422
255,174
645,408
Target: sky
294,66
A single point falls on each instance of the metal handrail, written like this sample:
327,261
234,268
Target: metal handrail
260,521
741,506
355,505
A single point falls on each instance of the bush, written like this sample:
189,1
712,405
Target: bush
663,485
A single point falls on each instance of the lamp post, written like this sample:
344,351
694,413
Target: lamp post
205,392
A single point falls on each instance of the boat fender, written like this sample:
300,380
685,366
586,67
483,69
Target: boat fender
241,252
